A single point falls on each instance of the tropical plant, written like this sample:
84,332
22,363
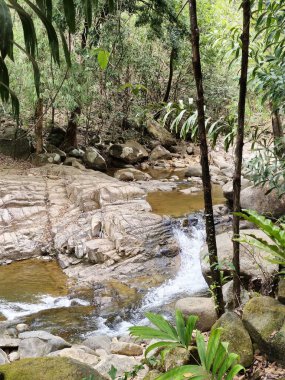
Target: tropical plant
178,336
215,362
276,232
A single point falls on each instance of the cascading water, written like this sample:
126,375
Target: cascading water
188,281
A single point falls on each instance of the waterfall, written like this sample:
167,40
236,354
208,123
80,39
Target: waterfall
188,281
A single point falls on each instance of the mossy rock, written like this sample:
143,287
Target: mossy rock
152,375
264,319
234,332
48,369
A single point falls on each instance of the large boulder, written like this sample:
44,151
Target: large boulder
120,362
131,174
234,332
39,343
281,291
80,353
194,171
126,348
14,141
228,188
253,261
157,132
131,152
93,159
256,198
264,319
160,153
48,369
203,307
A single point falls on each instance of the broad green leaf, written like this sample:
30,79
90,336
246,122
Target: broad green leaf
103,58
160,345
69,12
190,325
212,347
6,31
180,326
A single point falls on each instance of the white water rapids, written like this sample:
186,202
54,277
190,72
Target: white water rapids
188,281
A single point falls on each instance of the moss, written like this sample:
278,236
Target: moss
48,369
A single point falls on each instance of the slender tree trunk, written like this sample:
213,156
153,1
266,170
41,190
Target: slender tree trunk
277,130
239,146
39,126
210,226
171,71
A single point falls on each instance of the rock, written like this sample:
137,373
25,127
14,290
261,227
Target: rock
56,136
77,354
234,332
229,296
281,291
159,133
21,327
13,356
62,209
48,369
14,141
76,153
228,188
203,307
39,343
194,171
53,149
221,163
93,159
190,150
121,363
176,357
131,174
45,158
251,266
264,319
152,375
131,152
160,153
3,357
255,198
75,162
6,342
98,342
100,250
127,349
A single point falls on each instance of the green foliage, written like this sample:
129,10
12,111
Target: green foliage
127,375
178,336
276,232
215,360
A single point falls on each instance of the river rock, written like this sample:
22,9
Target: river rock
264,319
281,291
251,265
48,369
7,342
45,158
156,131
93,159
194,171
176,357
13,356
76,153
3,357
98,342
131,152
160,153
203,307
128,349
234,332
22,327
229,296
255,198
39,343
14,141
228,188
53,149
131,174
78,354
120,362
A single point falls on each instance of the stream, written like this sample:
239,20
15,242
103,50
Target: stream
36,292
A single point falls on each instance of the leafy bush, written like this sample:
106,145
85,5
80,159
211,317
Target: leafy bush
215,362
276,232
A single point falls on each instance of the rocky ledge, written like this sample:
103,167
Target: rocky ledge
90,221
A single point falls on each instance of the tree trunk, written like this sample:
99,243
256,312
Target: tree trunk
39,126
210,226
239,147
277,132
70,139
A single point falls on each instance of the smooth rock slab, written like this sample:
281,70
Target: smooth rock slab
6,342
120,362
98,342
264,319
128,349
77,354
203,307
